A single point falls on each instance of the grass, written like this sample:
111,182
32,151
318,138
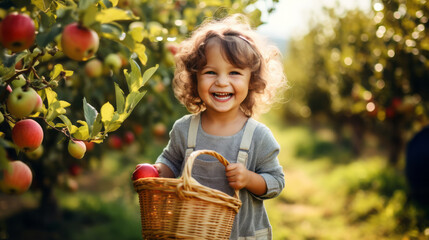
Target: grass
331,198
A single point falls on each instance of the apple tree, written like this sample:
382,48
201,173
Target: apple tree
72,73
48,119
366,70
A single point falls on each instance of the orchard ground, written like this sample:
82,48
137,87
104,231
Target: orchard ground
323,199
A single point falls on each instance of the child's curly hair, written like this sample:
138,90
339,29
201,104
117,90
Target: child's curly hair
242,47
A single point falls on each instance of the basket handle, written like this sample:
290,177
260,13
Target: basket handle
187,171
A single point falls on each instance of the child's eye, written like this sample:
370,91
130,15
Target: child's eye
235,73
210,72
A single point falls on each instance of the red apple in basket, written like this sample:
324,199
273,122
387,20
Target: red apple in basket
144,170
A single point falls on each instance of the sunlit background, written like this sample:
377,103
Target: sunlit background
358,94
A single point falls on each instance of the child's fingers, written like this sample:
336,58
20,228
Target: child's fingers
157,167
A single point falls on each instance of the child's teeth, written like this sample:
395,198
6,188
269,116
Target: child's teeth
222,95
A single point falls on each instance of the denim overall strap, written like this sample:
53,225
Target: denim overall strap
192,134
246,141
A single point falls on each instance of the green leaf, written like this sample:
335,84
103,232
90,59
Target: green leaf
90,113
128,41
51,95
42,4
107,112
9,61
114,126
82,132
120,99
137,34
66,121
97,126
134,78
5,72
48,36
148,74
89,16
112,31
132,100
58,68
114,14
140,49
85,4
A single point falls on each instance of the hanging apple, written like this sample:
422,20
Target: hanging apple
114,142
129,137
94,68
76,148
27,134
113,61
35,154
23,102
17,32
78,42
16,179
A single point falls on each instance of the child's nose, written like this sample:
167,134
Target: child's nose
222,80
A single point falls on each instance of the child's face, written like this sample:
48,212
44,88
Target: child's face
222,86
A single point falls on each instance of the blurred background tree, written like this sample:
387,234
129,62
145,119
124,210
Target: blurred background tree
364,73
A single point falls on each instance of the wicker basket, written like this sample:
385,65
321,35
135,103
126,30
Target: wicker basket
182,208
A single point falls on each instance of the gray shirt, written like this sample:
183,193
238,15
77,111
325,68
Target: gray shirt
251,221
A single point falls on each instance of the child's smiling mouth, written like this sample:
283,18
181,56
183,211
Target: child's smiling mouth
222,96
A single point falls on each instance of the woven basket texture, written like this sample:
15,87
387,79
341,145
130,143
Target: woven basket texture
182,208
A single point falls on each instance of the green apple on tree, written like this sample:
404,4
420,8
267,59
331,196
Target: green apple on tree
76,148
22,102
17,32
78,42
16,179
94,68
113,61
27,134
36,153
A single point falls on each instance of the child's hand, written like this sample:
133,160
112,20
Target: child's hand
240,177
237,175
163,170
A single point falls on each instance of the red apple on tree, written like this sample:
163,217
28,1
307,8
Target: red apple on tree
78,42
114,142
138,129
144,170
159,129
129,137
17,32
22,102
172,47
75,170
76,148
27,134
89,145
16,179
